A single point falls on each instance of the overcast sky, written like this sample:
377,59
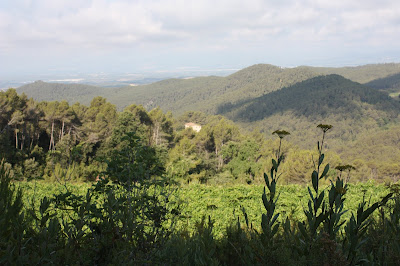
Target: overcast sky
40,36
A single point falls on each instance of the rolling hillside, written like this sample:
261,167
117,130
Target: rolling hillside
178,95
206,93
43,91
362,74
317,97
352,107
390,83
214,94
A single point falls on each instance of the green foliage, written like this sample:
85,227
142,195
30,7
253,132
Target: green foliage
316,214
133,163
183,160
242,159
129,217
384,232
227,245
369,155
269,221
12,218
200,248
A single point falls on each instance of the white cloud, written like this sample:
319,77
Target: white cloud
104,25
99,22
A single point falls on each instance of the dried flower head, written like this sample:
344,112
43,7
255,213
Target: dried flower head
345,167
324,128
281,133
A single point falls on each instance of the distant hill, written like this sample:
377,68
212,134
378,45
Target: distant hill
390,83
204,93
316,97
352,107
178,95
361,74
43,91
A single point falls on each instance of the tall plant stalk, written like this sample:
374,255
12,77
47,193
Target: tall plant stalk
269,223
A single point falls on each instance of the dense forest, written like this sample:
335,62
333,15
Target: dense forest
353,107
316,97
390,83
40,138
362,74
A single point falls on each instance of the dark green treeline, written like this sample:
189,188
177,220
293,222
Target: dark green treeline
42,139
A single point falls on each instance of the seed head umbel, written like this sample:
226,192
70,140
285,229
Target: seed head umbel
281,133
324,128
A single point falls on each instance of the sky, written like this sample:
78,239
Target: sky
120,36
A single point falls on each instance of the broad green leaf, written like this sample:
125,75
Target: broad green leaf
274,164
326,169
314,178
321,159
266,178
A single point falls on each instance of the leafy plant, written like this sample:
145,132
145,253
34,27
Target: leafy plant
269,223
356,229
12,218
316,212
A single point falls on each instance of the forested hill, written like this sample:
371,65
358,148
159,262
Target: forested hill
361,74
206,93
203,93
179,95
44,91
390,83
317,97
353,108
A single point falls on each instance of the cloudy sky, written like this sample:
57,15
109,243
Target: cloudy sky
39,36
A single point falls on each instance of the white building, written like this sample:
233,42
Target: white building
193,126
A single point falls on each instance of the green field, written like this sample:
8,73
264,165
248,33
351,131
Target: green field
224,203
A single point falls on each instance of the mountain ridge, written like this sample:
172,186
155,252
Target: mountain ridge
202,93
352,108
317,96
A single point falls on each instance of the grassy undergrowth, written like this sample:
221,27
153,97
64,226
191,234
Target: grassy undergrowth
223,203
